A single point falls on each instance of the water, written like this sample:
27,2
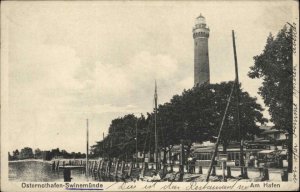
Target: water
35,171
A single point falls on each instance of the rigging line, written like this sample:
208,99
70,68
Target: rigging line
219,134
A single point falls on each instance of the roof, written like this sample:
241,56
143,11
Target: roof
234,149
258,141
200,16
176,147
266,151
203,149
270,131
283,152
265,127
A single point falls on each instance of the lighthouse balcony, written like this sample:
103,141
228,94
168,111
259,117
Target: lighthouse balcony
200,34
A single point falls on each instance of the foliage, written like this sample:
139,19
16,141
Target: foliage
15,155
10,157
26,153
194,116
56,153
38,154
121,140
197,114
275,67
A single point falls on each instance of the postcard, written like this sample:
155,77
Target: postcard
149,95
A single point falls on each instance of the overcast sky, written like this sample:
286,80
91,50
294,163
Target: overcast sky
69,61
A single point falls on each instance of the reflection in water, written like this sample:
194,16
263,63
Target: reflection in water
36,171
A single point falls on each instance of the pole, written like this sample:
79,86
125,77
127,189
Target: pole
219,135
136,140
87,147
103,145
155,128
237,93
182,157
223,170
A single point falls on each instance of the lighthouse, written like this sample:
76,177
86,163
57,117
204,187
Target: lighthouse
201,59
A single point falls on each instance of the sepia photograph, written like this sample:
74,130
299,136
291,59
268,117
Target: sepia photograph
149,95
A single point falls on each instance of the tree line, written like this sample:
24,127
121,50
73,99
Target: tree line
193,116
28,153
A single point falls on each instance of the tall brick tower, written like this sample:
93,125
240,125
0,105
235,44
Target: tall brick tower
201,61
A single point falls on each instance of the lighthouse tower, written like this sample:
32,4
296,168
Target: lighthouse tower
201,61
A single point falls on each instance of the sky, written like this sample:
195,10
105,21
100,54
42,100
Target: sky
65,62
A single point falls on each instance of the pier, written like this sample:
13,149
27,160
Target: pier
112,170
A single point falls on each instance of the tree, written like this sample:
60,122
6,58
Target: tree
16,154
196,115
26,153
55,153
275,67
38,153
10,157
120,141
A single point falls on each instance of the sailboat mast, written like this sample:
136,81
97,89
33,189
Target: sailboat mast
155,126
136,141
103,146
87,146
237,93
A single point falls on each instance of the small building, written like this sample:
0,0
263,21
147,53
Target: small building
268,148
277,138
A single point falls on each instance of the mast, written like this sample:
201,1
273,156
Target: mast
103,145
136,141
87,146
219,135
237,93
155,127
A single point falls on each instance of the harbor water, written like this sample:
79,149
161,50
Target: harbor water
39,171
